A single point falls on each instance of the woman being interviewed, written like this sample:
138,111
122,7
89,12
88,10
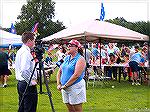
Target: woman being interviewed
70,78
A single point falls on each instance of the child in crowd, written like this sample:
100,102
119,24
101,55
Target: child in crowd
126,69
112,69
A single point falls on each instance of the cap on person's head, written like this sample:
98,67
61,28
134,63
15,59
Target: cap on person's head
75,42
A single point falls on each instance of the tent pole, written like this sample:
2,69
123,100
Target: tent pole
102,74
86,72
100,53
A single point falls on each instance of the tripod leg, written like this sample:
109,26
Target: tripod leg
40,78
48,90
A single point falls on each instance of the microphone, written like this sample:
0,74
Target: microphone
58,63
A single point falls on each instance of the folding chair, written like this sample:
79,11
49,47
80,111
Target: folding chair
99,76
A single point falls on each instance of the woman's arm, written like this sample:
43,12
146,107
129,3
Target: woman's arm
58,79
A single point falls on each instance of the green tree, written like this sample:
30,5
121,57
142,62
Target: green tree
41,11
139,26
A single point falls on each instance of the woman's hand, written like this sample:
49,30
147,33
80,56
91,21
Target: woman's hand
59,87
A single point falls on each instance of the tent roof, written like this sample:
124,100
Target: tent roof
95,30
9,38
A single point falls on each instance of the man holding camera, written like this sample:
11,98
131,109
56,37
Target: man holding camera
24,66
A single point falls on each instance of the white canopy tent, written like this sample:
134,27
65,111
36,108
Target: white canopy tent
96,30
7,39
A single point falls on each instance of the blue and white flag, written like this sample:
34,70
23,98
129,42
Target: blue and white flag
102,15
12,29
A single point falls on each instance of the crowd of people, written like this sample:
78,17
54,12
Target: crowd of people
75,59
134,59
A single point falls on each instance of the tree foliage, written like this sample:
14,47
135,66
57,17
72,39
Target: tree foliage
41,11
139,26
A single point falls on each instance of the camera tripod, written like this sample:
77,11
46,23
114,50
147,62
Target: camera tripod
41,69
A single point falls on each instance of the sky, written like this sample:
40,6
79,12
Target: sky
72,12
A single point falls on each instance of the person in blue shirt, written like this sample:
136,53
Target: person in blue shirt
70,77
95,51
134,65
95,54
48,59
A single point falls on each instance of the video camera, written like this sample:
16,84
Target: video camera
38,49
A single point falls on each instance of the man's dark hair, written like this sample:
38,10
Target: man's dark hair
27,36
85,46
126,55
136,47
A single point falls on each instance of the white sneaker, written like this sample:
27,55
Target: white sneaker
138,84
5,85
133,83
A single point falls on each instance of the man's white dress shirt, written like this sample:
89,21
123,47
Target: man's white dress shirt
24,65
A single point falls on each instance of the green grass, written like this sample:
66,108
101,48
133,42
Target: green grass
101,98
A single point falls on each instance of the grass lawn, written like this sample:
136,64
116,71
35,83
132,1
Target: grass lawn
102,98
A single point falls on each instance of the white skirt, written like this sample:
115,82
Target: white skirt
75,94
